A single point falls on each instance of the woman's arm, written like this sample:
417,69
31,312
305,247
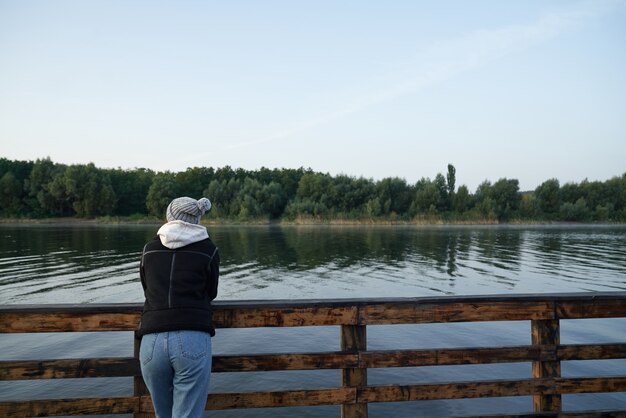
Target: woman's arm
213,275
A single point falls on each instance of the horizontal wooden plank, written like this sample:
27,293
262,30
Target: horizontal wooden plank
277,313
274,399
420,313
597,298
457,390
591,351
291,361
330,396
333,396
496,388
529,415
68,368
295,316
580,297
68,322
60,407
581,414
114,367
593,308
415,358
594,414
590,384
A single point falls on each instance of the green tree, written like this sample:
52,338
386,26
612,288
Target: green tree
596,193
442,188
483,191
603,212
576,212
162,191
314,196
617,190
451,179
350,195
58,190
315,186
288,180
41,200
395,195
529,208
484,203
427,197
570,193
14,194
506,196
10,195
225,197
461,200
131,188
249,197
20,169
193,181
373,208
89,189
273,199
547,195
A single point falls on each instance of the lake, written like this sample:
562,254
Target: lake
99,263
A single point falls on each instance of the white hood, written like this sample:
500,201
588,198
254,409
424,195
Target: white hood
176,234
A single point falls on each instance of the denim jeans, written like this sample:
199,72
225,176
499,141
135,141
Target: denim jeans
176,367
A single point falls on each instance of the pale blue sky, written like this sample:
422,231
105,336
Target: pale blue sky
530,90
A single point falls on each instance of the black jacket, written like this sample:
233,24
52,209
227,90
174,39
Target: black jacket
179,285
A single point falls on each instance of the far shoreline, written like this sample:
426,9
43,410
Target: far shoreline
107,221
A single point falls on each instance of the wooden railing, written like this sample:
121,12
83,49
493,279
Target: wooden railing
544,311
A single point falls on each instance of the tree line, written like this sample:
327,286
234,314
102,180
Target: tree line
44,189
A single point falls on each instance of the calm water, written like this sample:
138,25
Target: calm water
90,264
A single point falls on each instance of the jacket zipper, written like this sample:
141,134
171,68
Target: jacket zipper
169,296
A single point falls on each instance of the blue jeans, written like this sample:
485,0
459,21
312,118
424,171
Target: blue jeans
176,367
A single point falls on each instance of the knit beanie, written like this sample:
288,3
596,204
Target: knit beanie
187,209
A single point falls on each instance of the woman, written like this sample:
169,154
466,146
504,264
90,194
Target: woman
179,273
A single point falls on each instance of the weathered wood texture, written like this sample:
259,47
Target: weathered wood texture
68,368
60,407
329,396
496,388
587,414
351,317
249,314
546,333
116,367
286,361
354,341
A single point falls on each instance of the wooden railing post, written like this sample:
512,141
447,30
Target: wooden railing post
546,333
139,387
353,340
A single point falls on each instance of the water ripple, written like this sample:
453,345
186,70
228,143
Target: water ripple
326,263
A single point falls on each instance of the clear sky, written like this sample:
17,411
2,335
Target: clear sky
532,89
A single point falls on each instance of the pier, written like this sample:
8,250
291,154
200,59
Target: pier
352,393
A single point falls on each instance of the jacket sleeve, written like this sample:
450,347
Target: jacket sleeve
142,272
213,275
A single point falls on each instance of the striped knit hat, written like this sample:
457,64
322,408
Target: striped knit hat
187,209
